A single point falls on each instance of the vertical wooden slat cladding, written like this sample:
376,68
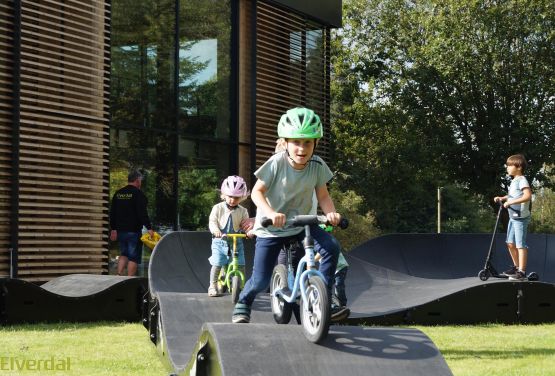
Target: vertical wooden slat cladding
292,69
6,98
63,158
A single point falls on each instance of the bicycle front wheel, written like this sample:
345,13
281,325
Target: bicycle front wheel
315,311
235,288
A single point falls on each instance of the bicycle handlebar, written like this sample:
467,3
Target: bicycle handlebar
239,235
303,220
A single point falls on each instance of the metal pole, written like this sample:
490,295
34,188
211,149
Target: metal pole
439,210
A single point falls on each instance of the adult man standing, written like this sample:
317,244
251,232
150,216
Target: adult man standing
128,214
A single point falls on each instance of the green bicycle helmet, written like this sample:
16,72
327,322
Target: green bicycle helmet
300,123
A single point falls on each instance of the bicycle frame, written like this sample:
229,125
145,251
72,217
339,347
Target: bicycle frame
301,276
232,268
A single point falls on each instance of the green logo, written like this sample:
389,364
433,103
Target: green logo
10,363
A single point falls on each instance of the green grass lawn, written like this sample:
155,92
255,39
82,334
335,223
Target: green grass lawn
124,349
507,350
93,349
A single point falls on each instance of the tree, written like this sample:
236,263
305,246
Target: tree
431,93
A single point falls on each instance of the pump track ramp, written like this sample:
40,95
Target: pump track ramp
393,279
73,298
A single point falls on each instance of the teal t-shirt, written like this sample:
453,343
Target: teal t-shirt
341,262
289,191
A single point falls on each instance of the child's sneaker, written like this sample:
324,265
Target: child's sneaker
519,276
213,292
511,272
241,314
339,313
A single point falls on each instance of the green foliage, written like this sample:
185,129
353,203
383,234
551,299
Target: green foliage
464,212
543,212
361,228
432,93
197,197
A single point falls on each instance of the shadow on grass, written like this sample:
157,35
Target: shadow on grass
61,326
495,354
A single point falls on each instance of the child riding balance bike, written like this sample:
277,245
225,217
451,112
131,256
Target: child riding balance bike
226,218
284,189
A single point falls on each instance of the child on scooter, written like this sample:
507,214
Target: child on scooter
284,188
517,201
226,217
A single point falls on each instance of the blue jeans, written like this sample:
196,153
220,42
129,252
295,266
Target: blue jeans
266,254
340,286
130,246
516,232
220,249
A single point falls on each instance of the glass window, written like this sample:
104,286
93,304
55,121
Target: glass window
148,131
152,153
204,68
143,64
201,171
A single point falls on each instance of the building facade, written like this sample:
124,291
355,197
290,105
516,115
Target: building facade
189,91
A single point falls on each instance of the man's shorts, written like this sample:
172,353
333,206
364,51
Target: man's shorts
131,246
220,250
517,231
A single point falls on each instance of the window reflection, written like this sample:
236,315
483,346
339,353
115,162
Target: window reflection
204,55
148,131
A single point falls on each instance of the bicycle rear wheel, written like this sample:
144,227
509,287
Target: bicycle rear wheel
280,308
315,312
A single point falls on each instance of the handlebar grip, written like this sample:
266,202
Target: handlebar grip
265,222
344,223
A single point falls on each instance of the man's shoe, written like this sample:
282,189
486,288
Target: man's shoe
519,276
241,314
339,313
511,272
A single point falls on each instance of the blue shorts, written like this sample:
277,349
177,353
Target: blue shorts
516,232
220,250
130,246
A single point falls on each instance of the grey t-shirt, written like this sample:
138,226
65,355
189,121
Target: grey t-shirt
515,191
289,191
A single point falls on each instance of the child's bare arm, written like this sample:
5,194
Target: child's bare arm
326,203
259,199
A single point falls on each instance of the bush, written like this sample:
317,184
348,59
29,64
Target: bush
362,227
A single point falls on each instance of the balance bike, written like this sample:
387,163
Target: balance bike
307,285
231,277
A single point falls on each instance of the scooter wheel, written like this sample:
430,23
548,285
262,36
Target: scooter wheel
484,274
533,276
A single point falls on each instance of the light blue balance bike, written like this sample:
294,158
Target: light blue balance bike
308,286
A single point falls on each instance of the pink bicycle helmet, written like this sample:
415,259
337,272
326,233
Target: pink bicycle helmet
234,186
